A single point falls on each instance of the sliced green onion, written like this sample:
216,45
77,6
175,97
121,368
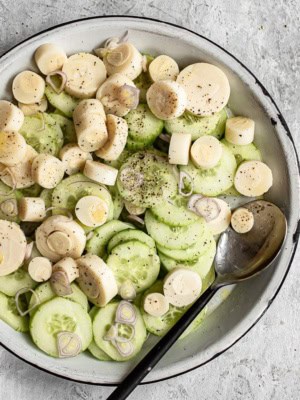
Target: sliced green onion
205,207
17,300
183,176
125,313
60,74
69,344
124,348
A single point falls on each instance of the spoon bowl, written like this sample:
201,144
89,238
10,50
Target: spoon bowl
241,256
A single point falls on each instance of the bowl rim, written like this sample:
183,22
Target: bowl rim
289,136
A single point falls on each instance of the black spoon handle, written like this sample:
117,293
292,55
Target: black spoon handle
159,350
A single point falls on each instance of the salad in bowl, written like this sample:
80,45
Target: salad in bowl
115,172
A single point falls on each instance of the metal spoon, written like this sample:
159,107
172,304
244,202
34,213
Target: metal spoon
238,257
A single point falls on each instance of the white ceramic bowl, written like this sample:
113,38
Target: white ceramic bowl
247,301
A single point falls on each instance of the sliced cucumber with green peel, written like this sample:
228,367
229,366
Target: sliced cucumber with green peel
102,235
150,233
93,348
6,194
98,353
70,190
128,235
56,316
134,145
247,152
10,315
193,252
171,237
43,133
45,293
102,322
46,195
198,126
136,262
12,283
146,179
67,127
117,200
203,266
159,326
143,126
174,212
121,159
62,101
33,191
214,181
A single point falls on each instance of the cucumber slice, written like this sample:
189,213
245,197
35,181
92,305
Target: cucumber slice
134,145
174,212
93,348
32,191
45,293
136,262
67,127
193,252
212,182
143,126
246,152
49,140
157,181
129,235
59,315
159,326
6,193
63,101
103,320
198,126
102,235
97,352
70,190
180,237
46,195
203,266
121,160
117,200
10,315
12,283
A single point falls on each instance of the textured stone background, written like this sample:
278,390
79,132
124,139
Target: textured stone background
265,35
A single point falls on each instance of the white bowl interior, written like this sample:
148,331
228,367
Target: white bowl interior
247,301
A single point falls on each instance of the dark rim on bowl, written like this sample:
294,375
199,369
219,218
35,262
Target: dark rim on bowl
289,135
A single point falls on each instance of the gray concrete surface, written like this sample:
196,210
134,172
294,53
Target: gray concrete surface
265,35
